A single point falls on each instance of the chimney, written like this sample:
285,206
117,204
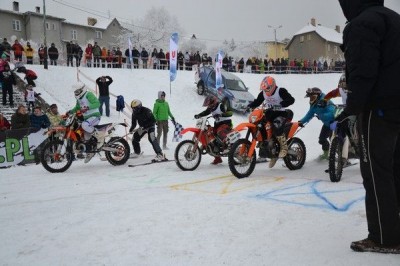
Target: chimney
313,22
37,9
91,21
337,28
16,6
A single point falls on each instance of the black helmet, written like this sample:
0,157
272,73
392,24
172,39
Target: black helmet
313,94
210,101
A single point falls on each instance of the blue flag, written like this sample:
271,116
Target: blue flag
173,53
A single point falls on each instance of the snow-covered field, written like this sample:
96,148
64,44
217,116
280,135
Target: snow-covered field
98,214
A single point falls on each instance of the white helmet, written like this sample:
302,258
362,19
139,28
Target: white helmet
80,90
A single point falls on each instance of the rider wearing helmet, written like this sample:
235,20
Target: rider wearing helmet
341,90
277,99
88,104
324,112
144,117
222,124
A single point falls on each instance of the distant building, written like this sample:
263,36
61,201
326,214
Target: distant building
277,49
29,26
315,41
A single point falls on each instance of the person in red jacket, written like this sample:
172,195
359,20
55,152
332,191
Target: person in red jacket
30,76
18,50
4,124
88,55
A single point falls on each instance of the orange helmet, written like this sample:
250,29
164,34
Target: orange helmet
268,85
210,101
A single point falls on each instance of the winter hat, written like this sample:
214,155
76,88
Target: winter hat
53,106
160,94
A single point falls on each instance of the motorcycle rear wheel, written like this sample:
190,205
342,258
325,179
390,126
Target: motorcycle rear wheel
187,159
121,156
296,156
52,160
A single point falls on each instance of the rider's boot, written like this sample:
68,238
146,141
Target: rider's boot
284,148
217,160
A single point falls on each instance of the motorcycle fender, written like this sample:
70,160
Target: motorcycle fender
293,130
190,129
243,126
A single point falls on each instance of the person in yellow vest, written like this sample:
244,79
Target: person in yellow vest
29,53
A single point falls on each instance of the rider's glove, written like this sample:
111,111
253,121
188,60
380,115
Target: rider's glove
196,116
333,125
301,124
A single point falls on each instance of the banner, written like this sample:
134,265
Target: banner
18,145
173,52
130,47
218,67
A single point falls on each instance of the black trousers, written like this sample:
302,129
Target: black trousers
380,170
152,139
324,135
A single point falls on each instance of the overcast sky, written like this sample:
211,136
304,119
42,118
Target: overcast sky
212,19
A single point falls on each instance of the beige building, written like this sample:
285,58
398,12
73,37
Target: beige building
29,26
277,49
314,42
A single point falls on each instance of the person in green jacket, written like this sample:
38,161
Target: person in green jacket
161,113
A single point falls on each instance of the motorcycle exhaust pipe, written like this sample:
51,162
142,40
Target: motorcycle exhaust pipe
110,149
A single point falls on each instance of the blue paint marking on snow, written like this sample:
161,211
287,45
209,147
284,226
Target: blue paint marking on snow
321,201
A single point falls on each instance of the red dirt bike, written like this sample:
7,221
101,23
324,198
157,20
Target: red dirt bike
68,140
242,155
188,152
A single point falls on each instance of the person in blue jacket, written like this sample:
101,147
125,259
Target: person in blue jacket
324,111
39,119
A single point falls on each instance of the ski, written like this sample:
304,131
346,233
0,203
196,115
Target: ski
344,166
151,162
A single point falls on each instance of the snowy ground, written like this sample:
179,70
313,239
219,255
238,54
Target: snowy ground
97,214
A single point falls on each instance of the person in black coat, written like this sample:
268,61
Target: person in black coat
145,56
21,118
144,117
104,93
7,79
70,53
371,42
53,54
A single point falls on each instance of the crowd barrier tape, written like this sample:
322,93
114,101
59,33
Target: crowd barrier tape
17,146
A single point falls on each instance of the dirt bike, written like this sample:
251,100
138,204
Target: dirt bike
188,152
242,155
344,143
67,143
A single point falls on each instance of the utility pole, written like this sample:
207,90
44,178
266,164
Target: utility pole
44,30
276,42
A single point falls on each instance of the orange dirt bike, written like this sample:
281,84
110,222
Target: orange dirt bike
188,152
68,140
242,155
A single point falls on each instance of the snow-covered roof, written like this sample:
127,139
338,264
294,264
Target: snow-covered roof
328,34
102,23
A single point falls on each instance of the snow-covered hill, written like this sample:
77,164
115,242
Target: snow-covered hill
97,214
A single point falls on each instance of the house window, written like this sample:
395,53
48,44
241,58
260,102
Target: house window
329,47
16,25
309,37
53,26
301,38
74,35
47,26
99,35
335,49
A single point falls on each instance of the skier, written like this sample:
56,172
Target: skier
89,105
143,117
222,123
278,99
325,111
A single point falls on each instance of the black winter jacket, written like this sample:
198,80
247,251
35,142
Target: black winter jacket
371,42
144,117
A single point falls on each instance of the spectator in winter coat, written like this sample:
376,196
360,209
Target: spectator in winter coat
143,117
103,83
154,58
96,55
161,59
42,54
3,62
7,80
20,119
135,55
324,112
103,57
7,48
29,53
118,58
53,54
39,120
180,59
30,96
70,53
18,50
370,44
89,55
145,56
161,112
53,115
4,124
30,76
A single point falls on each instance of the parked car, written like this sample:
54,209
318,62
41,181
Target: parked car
233,93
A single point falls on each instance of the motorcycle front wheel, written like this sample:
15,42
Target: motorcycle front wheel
238,160
335,160
53,160
186,158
